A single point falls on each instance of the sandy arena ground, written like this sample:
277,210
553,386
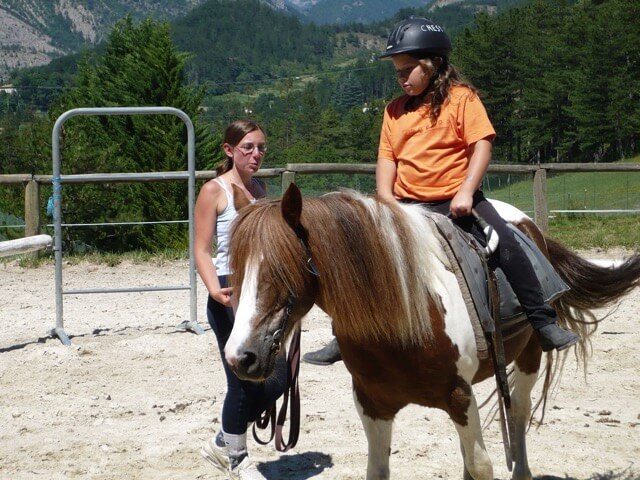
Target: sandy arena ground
134,397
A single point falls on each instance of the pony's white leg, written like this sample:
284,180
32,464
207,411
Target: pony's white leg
465,473
378,434
477,464
521,412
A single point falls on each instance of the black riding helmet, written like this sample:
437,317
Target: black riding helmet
418,35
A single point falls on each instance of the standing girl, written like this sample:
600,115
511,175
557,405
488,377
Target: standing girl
244,146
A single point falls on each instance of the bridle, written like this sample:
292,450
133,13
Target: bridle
310,266
291,395
278,335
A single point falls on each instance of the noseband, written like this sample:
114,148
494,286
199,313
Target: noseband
276,338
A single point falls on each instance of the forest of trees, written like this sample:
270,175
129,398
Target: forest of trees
241,50
140,66
560,79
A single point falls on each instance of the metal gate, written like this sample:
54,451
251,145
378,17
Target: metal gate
57,180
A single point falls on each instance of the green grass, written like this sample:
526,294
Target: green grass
591,231
136,256
102,258
568,194
570,191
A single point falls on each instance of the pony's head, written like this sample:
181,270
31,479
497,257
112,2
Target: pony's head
274,281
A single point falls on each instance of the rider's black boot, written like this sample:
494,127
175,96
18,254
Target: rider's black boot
327,355
552,337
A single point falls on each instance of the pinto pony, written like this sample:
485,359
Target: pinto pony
398,312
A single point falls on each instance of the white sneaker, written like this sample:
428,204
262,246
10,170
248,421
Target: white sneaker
216,455
246,470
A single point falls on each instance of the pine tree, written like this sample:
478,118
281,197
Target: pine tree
140,67
605,93
348,93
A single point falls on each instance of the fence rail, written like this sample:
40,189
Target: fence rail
287,174
25,245
33,203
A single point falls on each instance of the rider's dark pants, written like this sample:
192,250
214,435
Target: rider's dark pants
244,401
509,256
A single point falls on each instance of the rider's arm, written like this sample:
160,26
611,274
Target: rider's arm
385,178
479,154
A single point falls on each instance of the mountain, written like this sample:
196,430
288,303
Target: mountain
32,32
340,12
354,11
229,51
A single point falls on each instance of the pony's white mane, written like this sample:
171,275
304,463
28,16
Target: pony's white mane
418,261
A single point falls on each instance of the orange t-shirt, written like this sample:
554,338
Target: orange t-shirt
432,159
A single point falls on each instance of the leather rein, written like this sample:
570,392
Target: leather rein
291,395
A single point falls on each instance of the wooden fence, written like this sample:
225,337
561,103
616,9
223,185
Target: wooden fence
25,245
33,203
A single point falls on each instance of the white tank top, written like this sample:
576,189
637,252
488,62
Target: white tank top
223,227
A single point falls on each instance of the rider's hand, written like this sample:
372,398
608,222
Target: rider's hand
461,204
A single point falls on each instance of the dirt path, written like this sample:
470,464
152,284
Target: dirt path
134,397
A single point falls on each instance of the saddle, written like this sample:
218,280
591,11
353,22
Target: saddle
477,281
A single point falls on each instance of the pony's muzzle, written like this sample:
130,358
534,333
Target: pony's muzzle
247,364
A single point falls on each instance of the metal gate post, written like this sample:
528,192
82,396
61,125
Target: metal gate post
192,323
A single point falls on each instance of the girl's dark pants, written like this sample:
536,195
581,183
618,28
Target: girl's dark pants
244,401
509,256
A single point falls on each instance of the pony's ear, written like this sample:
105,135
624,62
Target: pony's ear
292,206
240,199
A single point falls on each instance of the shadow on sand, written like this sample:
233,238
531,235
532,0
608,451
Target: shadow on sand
303,466
299,466
626,474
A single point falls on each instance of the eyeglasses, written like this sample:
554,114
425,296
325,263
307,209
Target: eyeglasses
405,72
248,148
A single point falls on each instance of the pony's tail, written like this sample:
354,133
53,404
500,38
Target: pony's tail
592,286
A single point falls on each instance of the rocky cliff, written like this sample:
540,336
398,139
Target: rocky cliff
32,32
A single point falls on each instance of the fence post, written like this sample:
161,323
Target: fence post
541,209
288,178
32,208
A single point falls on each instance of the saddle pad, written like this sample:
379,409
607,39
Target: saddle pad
463,252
